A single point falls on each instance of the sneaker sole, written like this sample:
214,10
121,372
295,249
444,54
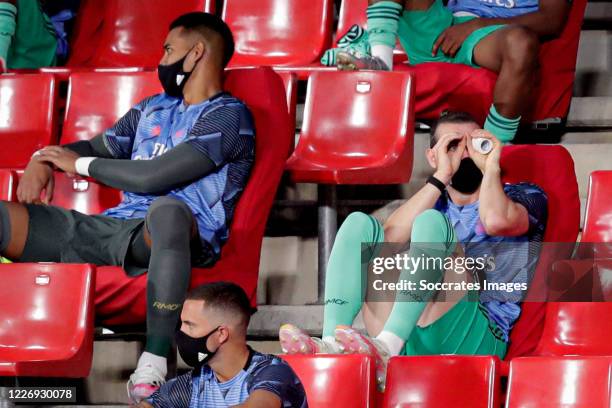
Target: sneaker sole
294,341
352,342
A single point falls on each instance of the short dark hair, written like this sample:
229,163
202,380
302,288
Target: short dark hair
449,117
199,21
224,296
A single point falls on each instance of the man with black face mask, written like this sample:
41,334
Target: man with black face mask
226,371
182,158
463,211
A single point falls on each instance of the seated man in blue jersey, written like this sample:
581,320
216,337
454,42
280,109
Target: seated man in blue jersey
500,35
463,211
226,371
182,158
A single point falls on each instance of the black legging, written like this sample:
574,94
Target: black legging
170,224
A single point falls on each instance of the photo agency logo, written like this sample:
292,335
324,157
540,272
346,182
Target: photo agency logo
496,271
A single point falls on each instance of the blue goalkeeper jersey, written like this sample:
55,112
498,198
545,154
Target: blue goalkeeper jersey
494,8
202,389
220,127
515,257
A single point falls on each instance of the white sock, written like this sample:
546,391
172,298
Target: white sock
157,362
385,53
393,342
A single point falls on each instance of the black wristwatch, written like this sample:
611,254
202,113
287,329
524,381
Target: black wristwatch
437,183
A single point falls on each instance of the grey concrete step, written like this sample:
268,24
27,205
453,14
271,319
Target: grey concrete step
591,111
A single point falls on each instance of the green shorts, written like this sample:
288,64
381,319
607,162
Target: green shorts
34,43
419,30
464,330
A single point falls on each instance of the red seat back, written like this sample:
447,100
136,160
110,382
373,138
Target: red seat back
579,382
279,32
84,195
442,381
357,127
8,185
577,328
129,33
598,217
47,324
345,381
122,300
291,83
27,117
96,100
551,168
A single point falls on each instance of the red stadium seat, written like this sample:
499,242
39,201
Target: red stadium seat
577,328
80,194
441,86
547,382
27,117
598,217
345,381
358,129
442,381
291,83
279,32
121,300
552,168
47,320
96,100
8,185
117,33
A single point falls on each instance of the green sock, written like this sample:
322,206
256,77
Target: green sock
345,277
354,41
158,345
383,22
8,23
432,236
503,128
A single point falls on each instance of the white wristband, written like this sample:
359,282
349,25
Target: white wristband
82,165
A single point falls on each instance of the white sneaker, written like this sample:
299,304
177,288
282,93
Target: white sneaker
296,341
353,342
144,382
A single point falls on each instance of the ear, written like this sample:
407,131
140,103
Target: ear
431,158
195,55
223,334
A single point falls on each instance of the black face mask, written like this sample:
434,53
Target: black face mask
193,350
467,178
173,78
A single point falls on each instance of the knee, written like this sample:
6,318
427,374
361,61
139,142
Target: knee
521,47
169,212
429,226
359,226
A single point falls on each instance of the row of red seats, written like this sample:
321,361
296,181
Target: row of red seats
64,324
348,137
96,100
356,128
292,35
456,381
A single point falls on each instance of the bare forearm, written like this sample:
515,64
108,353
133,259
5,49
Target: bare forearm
545,23
398,226
498,213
